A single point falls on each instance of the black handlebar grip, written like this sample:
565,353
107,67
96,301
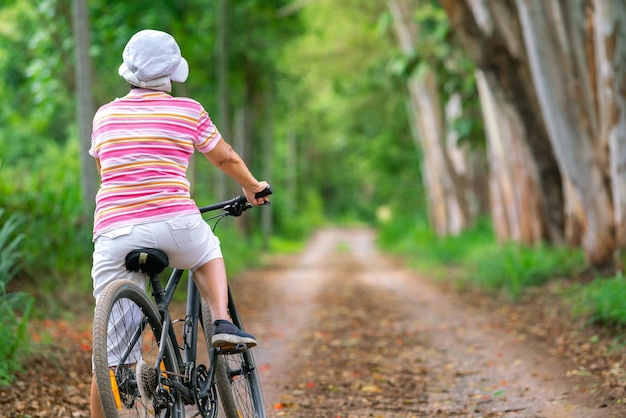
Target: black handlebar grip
268,191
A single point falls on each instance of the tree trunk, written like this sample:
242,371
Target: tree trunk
223,119
267,156
448,206
291,171
562,89
469,165
513,180
610,44
85,106
490,32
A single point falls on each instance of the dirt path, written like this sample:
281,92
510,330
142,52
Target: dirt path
346,332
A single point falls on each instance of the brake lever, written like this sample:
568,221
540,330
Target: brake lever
236,209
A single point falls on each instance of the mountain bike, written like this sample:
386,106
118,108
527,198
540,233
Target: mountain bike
157,373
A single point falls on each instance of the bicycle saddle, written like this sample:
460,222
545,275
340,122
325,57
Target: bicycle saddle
151,261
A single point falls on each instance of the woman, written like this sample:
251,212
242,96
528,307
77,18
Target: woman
142,144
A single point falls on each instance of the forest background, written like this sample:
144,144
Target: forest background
484,139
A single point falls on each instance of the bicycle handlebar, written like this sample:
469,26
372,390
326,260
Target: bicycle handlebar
237,205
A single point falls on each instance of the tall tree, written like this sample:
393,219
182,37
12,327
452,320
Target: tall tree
526,194
556,36
84,104
610,45
223,100
449,207
560,67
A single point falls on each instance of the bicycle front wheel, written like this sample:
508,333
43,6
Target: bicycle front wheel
236,377
126,336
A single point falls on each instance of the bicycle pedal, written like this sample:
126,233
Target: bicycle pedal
232,349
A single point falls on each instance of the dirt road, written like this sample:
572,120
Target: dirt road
346,332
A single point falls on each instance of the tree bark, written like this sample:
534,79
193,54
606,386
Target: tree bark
266,162
490,33
448,206
85,106
223,102
610,45
513,179
560,85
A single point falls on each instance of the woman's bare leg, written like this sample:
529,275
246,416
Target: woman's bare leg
213,287
94,398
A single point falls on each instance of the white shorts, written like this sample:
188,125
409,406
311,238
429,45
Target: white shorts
187,240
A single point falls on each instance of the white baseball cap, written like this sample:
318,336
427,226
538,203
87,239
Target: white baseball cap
152,59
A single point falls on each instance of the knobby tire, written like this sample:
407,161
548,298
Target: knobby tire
124,294
236,377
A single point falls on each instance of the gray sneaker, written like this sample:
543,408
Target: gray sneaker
226,335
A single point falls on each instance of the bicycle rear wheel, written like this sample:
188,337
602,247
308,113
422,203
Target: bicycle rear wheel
236,376
126,336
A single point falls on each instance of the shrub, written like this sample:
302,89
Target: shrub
514,267
46,190
15,308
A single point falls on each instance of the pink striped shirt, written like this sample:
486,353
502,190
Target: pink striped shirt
144,142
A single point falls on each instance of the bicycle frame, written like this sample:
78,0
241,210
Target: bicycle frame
163,297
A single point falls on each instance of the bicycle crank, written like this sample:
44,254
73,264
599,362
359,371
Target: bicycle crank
205,393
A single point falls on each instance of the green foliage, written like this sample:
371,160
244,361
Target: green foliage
454,70
15,311
36,57
282,245
15,308
112,25
514,266
475,258
602,301
297,226
45,191
347,115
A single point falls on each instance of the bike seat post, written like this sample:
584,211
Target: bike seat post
157,288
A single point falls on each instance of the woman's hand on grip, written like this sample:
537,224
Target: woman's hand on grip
251,192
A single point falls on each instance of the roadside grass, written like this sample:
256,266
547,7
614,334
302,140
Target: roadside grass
474,258
282,245
602,301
